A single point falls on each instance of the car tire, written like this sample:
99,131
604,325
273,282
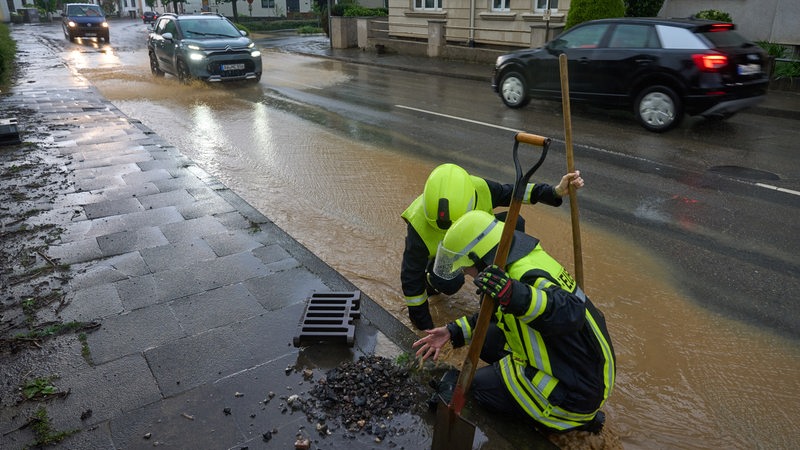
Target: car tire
106,39
184,75
513,90
658,109
154,66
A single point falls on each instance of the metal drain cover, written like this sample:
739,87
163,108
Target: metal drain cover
329,316
744,172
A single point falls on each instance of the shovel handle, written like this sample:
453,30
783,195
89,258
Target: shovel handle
487,303
532,139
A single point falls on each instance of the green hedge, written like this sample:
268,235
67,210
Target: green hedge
256,25
8,52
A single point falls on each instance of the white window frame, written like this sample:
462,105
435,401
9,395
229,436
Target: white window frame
543,5
501,5
421,5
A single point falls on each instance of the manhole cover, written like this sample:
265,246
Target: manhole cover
744,172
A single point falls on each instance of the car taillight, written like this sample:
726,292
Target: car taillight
710,62
721,27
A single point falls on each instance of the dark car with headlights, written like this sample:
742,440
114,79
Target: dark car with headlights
207,47
661,68
84,20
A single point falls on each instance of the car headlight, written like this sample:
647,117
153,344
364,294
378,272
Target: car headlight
71,24
192,47
196,56
105,24
255,53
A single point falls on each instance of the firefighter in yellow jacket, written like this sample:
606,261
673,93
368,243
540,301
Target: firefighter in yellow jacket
548,348
450,192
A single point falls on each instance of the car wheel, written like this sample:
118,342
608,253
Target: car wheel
106,38
658,109
513,90
154,66
183,72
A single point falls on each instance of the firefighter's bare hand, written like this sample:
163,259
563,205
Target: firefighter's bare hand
432,344
572,178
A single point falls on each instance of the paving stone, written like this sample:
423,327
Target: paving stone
137,292
112,208
150,175
278,290
108,270
147,218
215,308
128,241
191,229
231,242
189,420
77,251
122,384
177,197
134,332
168,256
92,303
183,364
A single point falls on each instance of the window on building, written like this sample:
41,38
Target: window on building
542,5
501,5
267,3
427,4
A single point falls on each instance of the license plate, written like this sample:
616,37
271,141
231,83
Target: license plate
233,67
749,69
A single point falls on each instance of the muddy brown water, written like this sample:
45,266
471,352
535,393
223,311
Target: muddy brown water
686,377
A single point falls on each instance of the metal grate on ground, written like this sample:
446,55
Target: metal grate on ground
329,317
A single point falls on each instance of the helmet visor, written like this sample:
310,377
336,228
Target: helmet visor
448,263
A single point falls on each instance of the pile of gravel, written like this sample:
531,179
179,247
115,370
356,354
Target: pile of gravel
364,396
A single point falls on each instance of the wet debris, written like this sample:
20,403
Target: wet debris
362,396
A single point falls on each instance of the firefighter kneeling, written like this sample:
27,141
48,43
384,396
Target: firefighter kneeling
548,349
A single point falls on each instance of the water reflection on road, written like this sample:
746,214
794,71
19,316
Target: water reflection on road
687,378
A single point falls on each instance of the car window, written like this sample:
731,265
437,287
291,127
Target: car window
84,10
169,27
679,38
584,37
726,39
204,27
633,36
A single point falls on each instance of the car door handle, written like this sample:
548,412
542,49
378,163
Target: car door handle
583,60
643,61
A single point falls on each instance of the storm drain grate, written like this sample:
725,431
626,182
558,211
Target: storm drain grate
329,316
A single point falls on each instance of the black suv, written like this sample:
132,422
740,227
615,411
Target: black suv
208,47
662,68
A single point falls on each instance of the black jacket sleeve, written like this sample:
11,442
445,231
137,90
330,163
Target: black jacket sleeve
542,192
415,261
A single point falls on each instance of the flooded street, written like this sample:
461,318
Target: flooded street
687,378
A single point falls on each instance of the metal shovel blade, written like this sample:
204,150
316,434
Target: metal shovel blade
451,431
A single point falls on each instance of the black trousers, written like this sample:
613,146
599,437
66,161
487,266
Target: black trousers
488,387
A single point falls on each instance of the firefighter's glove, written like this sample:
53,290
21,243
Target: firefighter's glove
513,296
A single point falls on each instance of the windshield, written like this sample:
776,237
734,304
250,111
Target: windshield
209,27
84,10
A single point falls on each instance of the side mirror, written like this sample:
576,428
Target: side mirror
167,36
243,33
556,45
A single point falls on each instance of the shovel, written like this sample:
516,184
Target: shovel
451,431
